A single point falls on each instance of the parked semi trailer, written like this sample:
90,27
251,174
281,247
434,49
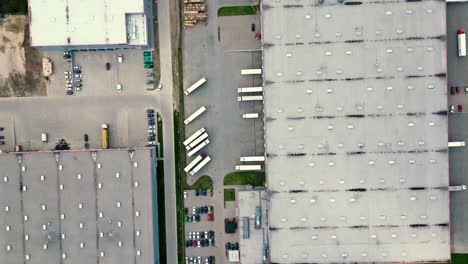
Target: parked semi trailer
248,167
251,71
250,115
252,158
197,113
198,148
200,166
250,98
105,136
258,89
197,141
193,163
195,86
456,144
194,136
461,42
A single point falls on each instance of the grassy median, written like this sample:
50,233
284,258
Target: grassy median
245,178
459,258
236,11
229,195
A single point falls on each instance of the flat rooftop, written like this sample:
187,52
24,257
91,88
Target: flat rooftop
252,249
356,131
77,207
87,22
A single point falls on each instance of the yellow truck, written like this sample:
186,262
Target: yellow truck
105,136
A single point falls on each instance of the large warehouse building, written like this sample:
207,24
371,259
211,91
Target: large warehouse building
78,207
88,23
356,131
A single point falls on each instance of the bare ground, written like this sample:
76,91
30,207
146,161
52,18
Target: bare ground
21,74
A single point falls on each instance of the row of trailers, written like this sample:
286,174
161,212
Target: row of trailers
198,140
248,94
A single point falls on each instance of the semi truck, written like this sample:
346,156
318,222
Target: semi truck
198,148
193,163
252,158
250,98
457,188
200,165
197,113
456,144
248,167
250,115
251,71
461,42
197,141
105,136
194,136
195,86
257,89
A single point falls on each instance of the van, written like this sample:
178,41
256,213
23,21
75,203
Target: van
44,138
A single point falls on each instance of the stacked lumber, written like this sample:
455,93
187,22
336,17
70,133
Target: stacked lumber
194,12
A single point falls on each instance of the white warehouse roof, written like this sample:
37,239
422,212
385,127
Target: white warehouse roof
356,131
87,22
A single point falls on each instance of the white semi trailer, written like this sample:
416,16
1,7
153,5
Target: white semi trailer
197,141
252,158
194,136
195,86
200,166
248,167
258,89
250,115
197,113
198,148
193,163
250,98
251,71
456,144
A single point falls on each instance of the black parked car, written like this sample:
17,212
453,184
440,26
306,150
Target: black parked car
1,128
2,143
107,66
252,27
151,123
150,111
85,137
150,114
2,137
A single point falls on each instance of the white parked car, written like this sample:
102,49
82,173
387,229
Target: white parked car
185,195
119,88
69,81
78,75
76,67
78,88
67,76
120,58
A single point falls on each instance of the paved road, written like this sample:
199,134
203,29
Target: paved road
166,102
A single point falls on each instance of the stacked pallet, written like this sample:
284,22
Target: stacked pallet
194,12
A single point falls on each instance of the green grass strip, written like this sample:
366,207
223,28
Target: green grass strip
236,11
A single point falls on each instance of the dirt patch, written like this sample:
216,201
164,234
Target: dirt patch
21,74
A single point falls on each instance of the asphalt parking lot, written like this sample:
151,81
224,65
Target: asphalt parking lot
203,225
223,120
67,118
96,79
458,126
458,166
457,66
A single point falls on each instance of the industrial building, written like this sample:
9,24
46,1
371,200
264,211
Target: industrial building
91,206
356,131
84,24
253,235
